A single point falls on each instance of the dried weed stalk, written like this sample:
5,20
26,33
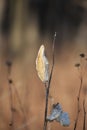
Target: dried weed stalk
48,85
81,69
42,67
12,107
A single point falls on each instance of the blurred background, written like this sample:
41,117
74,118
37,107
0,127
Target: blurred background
24,26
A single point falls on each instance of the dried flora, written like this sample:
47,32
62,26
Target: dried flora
55,113
81,71
42,65
82,55
64,119
9,67
12,88
58,115
77,65
84,112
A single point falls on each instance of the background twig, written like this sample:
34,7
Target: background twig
78,100
80,69
84,120
21,106
11,84
9,65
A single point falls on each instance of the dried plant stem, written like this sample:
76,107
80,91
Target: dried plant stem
78,100
11,102
20,103
11,97
48,85
51,100
84,120
12,85
46,107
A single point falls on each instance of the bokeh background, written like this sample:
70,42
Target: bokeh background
24,26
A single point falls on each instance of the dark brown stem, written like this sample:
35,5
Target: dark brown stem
9,65
48,85
46,107
78,107
84,120
11,102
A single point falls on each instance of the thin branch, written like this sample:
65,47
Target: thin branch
84,121
48,85
20,103
9,65
11,107
78,100
12,85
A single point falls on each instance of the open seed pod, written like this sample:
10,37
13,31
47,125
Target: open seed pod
58,115
42,65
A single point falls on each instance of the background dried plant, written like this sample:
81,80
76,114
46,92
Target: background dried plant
25,25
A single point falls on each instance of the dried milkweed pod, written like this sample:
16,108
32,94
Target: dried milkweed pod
63,119
55,113
58,115
42,65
